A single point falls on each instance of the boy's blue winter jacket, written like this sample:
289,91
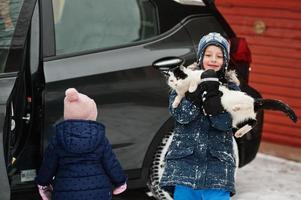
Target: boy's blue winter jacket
81,161
201,152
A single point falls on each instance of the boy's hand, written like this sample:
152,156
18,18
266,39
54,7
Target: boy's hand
211,95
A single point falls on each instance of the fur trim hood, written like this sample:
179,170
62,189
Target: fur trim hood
231,76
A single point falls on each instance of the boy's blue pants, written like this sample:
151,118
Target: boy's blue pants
187,193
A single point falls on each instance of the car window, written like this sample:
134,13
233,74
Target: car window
95,24
9,12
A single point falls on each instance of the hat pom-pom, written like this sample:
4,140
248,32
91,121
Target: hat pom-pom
71,94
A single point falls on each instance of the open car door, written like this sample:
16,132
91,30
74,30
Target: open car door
16,96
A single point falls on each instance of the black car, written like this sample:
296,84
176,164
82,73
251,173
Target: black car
106,49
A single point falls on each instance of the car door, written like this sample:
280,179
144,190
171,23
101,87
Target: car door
16,92
105,49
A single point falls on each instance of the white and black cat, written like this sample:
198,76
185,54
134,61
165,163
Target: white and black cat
241,106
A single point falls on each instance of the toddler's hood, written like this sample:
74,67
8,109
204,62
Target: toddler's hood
80,136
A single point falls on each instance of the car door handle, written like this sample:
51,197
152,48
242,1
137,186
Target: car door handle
27,117
168,63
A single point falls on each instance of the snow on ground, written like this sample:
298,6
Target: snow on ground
269,178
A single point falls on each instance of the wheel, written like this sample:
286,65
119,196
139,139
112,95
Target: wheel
157,168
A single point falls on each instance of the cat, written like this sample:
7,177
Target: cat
241,106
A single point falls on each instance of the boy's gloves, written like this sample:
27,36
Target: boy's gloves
45,191
211,95
120,189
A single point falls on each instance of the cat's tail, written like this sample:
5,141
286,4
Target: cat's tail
272,104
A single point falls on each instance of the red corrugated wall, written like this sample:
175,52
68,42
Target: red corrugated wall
273,31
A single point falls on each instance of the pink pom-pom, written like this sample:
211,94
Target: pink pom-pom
71,94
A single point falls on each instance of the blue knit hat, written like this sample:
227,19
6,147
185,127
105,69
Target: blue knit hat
217,40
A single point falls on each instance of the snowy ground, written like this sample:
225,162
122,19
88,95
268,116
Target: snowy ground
265,178
269,178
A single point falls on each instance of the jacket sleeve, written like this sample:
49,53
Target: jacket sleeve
112,165
49,165
223,121
185,112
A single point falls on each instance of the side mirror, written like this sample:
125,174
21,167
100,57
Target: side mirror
168,63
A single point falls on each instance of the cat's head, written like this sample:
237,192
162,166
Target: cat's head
179,72
172,81
176,78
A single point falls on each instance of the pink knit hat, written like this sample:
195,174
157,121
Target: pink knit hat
79,106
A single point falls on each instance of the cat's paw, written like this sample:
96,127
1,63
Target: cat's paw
243,130
236,108
175,104
192,88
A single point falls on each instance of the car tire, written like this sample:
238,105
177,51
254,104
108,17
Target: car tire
157,168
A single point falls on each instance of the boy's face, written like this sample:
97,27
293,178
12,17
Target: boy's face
213,58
